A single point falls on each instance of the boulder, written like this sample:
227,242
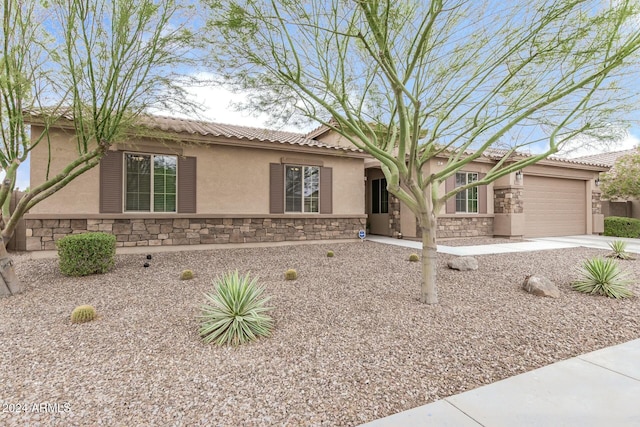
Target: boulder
464,263
540,286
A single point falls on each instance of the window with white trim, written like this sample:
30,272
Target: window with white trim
302,189
467,200
150,182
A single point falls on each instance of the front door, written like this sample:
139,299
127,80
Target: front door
379,207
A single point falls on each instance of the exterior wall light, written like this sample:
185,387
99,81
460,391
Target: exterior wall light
597,182
519,176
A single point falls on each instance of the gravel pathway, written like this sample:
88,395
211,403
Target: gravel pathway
351,344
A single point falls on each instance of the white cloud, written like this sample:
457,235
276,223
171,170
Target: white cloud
218,105
628,142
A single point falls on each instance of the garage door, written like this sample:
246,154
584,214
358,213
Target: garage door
554,206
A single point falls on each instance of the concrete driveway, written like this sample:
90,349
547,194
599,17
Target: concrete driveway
592,241
533,244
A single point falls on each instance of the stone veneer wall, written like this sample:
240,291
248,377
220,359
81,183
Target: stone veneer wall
462,227
394,215
42,233
596,202
508,200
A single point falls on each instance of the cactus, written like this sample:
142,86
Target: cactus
186,275
330,254
414,258
291,274
83,313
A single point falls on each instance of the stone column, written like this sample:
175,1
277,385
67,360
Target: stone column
508,207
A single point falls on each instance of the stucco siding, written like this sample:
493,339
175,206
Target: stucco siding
230,179
80,195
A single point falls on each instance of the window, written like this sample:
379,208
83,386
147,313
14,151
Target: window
150,189
302,185
467,200
379,196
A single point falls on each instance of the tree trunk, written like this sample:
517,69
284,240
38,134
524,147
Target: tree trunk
429,290
9,283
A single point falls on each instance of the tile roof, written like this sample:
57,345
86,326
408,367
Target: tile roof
606,158
193,127
499,153
244,133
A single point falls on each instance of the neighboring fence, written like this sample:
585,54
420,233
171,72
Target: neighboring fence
628,209
19,240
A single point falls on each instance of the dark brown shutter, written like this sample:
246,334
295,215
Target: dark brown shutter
482,196
326,190
187,179
276,188
449,185
111,182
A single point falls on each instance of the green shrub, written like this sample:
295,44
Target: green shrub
87,253
621,227
603,277
236,313
290,274
186,275
619,250
414,258
330,254
83,313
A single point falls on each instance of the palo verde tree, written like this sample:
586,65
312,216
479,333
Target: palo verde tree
409,80
623,179
99,63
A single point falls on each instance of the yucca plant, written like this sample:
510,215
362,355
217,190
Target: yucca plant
235,312
604,277
619,250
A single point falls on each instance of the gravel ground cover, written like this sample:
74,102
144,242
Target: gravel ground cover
352,343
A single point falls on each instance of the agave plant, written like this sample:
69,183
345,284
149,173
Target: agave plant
604,277
619,250
235,312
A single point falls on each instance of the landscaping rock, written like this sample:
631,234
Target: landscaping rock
463,263
540,286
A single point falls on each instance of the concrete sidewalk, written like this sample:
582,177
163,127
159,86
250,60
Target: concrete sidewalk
601,388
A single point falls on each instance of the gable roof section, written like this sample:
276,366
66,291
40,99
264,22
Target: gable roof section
606,158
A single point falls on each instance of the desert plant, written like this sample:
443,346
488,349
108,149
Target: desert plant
235,312
617,226
291,274
83,313
87,253
414,258
186,275
330,254
604,277
619,250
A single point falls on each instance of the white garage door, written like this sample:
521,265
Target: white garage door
554,206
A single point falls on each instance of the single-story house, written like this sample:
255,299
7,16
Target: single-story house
192,182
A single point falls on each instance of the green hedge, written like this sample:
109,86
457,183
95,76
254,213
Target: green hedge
87,253
621,227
